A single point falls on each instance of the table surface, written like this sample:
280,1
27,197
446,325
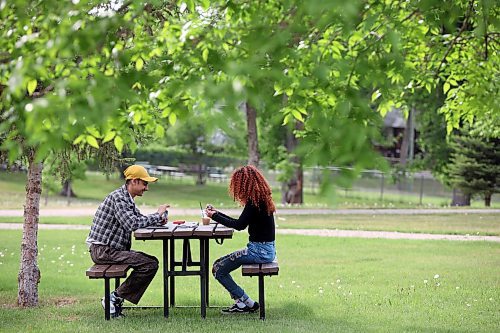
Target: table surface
186,230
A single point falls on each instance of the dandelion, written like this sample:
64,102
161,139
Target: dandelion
436,276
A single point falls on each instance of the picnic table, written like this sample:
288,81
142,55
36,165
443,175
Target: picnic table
169,234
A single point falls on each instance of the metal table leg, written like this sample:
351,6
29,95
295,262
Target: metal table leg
203,278
207,265
165,278
172,276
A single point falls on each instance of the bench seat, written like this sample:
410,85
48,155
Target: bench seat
106,272
261,270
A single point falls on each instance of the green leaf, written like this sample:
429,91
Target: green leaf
31,86
446,87
172,118
160,131
78,139
204,55
118,143
297,115
92,141
139,64
93,131
287,118
109,136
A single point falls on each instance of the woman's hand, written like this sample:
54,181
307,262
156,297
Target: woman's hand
209,211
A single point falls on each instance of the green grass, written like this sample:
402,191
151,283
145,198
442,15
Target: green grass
459,224
456,224
185,194
325,285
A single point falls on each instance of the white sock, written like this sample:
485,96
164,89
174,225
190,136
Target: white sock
240,304
249,302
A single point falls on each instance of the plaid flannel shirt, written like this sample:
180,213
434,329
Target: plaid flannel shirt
116,218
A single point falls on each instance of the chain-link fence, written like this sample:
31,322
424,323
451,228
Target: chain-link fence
418,187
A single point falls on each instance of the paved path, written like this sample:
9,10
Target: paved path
305,232
89,211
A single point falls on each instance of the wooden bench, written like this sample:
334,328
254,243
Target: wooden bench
261,270
107,272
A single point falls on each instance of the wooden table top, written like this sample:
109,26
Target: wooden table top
186,230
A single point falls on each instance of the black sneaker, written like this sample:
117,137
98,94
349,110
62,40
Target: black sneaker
255,307
235,309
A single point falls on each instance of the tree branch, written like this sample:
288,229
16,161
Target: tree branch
454,41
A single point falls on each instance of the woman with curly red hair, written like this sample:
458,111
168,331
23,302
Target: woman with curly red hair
249,187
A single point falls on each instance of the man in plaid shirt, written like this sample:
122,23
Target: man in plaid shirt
110,236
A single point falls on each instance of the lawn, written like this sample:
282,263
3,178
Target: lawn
184,193
456,224
325,285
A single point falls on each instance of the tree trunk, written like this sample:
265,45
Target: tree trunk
200,179
294,194
406,152
67,190
487,199
29,273
460,198
253,142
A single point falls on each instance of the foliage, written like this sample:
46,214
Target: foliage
123,76
173,156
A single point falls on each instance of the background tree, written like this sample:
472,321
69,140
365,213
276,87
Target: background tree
474,165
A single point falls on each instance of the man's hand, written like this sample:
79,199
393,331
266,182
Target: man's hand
161,210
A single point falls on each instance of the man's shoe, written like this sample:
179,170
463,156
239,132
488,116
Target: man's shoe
115,305
235,309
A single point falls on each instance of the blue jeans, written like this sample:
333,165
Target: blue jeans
254,253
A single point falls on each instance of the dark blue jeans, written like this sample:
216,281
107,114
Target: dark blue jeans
254,253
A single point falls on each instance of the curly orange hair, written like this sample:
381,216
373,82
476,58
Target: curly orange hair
249,185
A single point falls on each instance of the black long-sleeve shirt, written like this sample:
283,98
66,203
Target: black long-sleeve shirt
260,224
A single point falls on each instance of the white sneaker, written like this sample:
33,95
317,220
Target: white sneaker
115,304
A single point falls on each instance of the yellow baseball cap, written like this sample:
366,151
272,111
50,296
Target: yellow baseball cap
138,172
